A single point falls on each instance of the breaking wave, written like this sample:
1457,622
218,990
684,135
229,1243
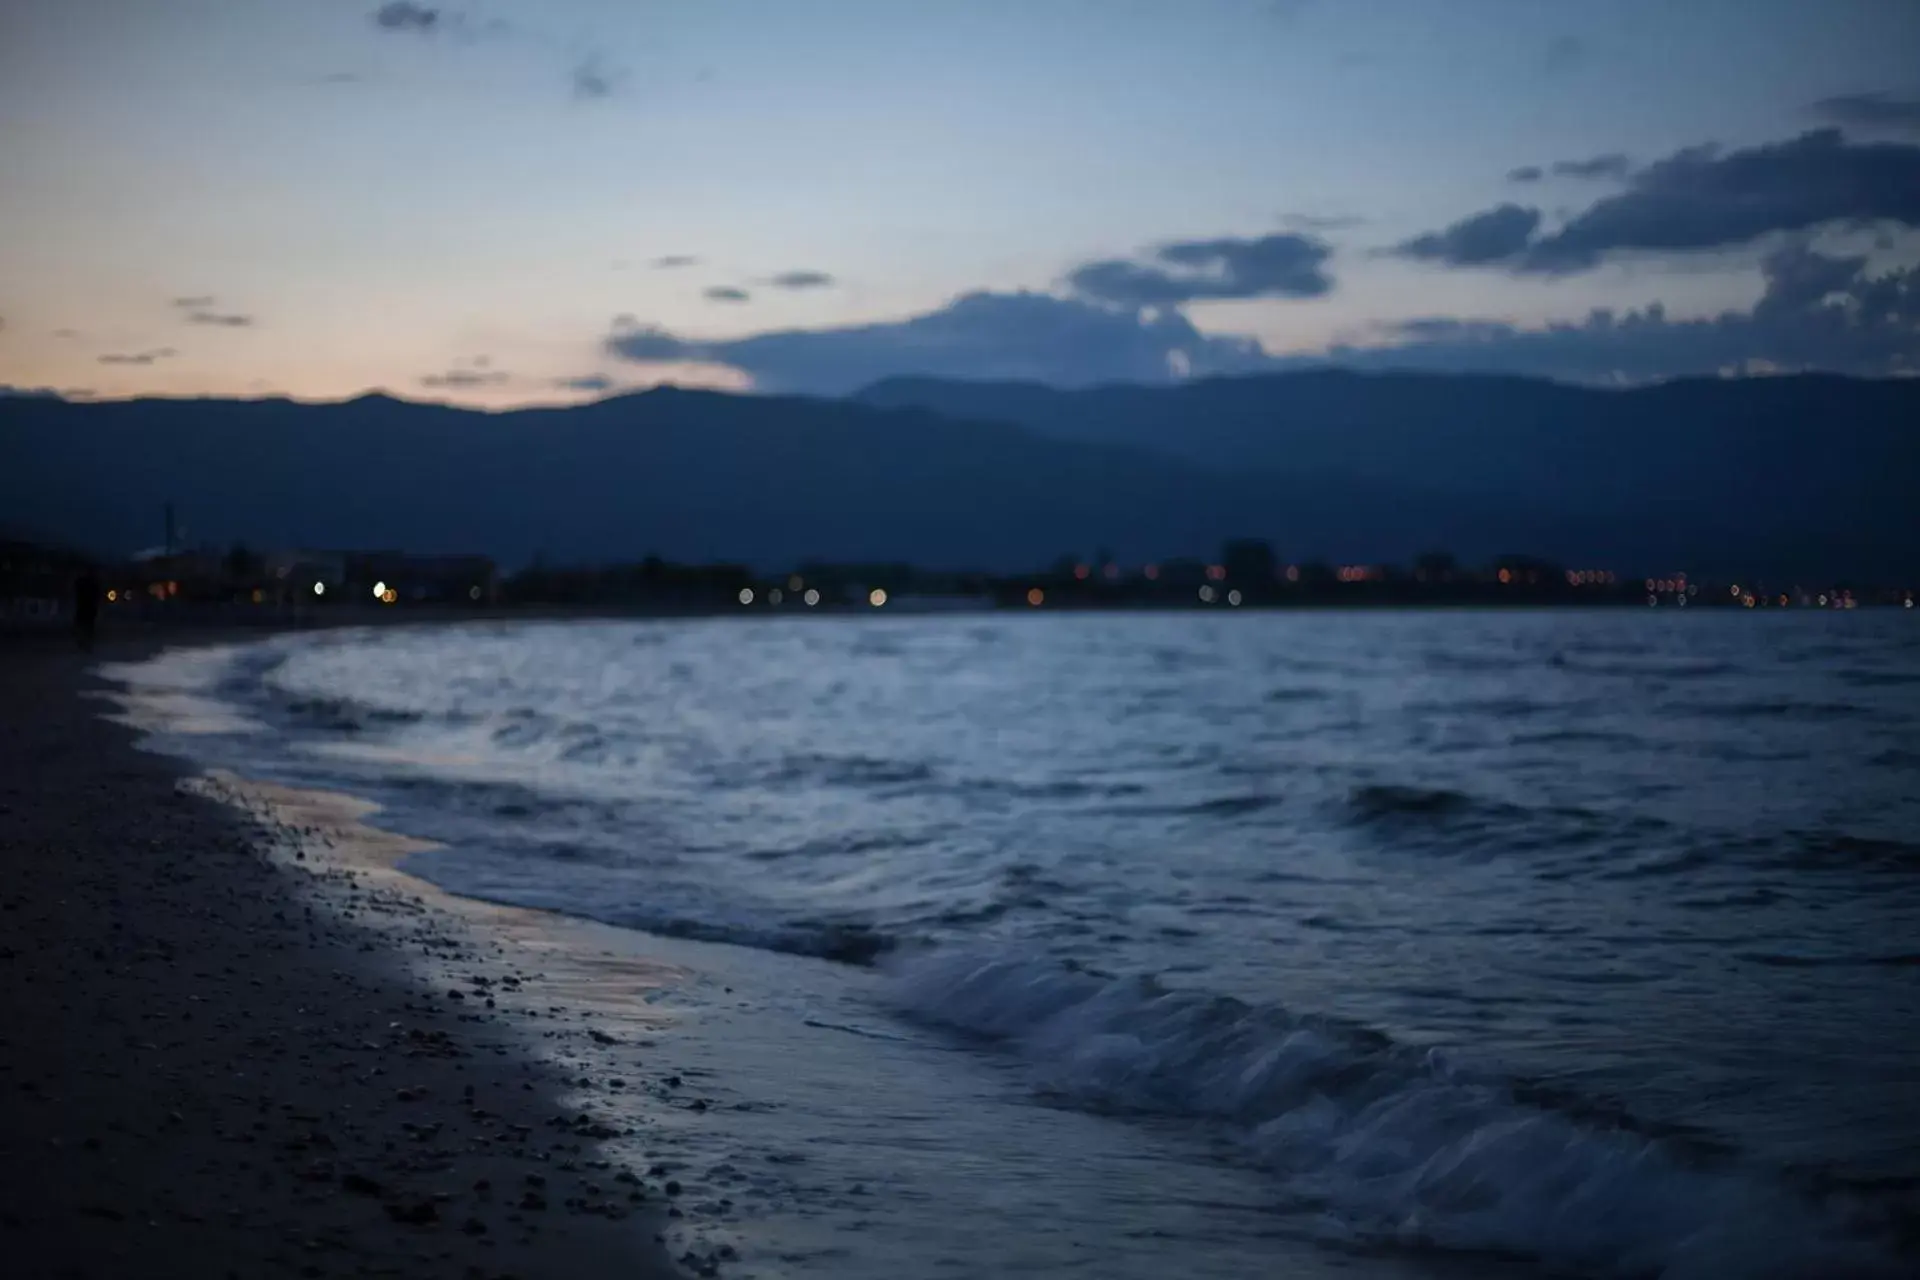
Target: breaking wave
1389,1144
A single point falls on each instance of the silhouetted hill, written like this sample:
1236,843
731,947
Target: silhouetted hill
700,475
1806,472
693,475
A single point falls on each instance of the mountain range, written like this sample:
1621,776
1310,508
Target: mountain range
1797,475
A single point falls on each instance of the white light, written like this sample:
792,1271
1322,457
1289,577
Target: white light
812,597
774,596
794,583
1233,598
319,588
473,593
379,590
877,597
1206,595
746,595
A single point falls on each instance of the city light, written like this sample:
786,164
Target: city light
319,588
1233,598
1293,573
1036,597
473,593
812,597
794,583
379,591
746,595
390,597
112,596
775,596
1080,571
1506,577
1206,595
877,597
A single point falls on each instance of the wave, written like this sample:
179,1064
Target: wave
1388,800
1384,1142
1654,670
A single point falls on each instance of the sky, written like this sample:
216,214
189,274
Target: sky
538,201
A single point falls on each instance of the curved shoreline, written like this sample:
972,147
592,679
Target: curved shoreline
218,1057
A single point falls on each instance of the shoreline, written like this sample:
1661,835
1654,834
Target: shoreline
218,1058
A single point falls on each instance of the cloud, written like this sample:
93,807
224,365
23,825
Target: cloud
594,79
1871,112
1612,165
462,378
1317,222
1566,53
1277,266
673,261
726,293
404,15
199,310
139,357
66,333
1698,198
1029,336
1817,312
800,280
477,371
1526,173
585,382
1496,235
342,77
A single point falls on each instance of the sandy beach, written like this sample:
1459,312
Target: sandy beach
215,1059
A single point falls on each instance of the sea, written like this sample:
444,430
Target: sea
1374,944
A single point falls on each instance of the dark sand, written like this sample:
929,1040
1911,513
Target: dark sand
202,1074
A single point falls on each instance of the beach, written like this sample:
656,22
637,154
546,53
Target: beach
217,1059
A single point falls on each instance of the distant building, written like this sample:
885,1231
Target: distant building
466,579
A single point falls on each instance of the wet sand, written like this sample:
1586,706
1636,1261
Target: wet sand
218,1056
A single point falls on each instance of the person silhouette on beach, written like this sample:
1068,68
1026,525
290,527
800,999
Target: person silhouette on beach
86,607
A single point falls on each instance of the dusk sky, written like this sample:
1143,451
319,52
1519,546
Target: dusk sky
520,202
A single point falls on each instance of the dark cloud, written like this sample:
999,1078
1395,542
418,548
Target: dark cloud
1496,235
800,280
139,357
1817,312
594,79
1702,199
1317,222
675,260
1031,336
465,378
404,15
1275,266
585,382
1566,53
1871,112
199,310
1612,166
1526,173
1696,199
726,293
